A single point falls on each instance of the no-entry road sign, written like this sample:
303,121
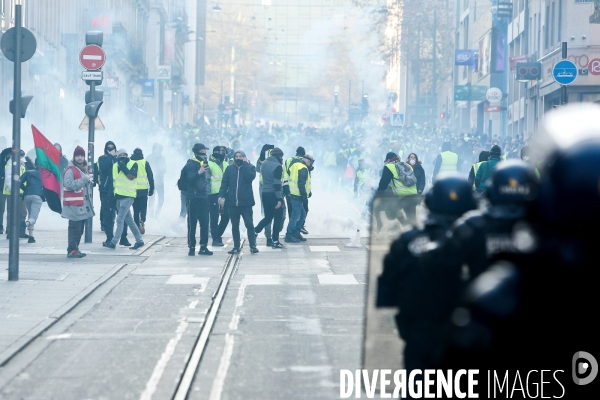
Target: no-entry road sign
92,57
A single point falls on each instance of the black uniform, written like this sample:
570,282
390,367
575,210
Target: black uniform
108,203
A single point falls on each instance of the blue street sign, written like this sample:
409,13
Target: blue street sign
564,72
397,119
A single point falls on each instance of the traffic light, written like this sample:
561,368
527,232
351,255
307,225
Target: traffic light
442,115
335,99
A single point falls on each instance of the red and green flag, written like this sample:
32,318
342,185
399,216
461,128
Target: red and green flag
48,158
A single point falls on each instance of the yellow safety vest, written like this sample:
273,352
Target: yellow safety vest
141,181
475,169
216,176
397,187
449,161
123,185
22,169
330,159
293,179
285,176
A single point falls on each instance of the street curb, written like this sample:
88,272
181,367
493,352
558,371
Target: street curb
147,246
53,318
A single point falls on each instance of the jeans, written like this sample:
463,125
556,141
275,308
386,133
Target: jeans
140,207
198,212
271,213
124,218
235,212
217,227
297,218
184,210
108,212
159,191
74,234
34,205
268,232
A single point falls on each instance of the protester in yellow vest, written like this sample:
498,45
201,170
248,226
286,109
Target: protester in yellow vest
6,192
125,171
300,152
483,157
145,189
390,182
219,216
300,190
446,161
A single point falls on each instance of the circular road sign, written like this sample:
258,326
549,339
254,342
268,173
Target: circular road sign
28,44
564,72
92,57
494,95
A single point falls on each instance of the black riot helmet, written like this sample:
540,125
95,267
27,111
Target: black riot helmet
570,193
451,194
513,182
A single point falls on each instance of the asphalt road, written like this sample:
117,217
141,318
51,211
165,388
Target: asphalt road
290,320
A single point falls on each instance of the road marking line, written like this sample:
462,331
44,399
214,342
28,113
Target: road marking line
58,337
159,369
219,382
337,279
193,304
324,248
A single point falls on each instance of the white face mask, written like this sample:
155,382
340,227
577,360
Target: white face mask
412,162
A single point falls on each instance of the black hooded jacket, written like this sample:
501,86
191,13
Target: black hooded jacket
103,173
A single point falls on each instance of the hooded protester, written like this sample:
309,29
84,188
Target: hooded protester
77,204
300,190
265,152
272,196
7,191
197,176
125,172
486,169
483,157
3,198
236,192
145,188
300,152
33,195
219,216
108,203
159,170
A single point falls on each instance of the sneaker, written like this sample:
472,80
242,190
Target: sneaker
192,252
234,251
303,230
82,254
217,243
291,239
300,238
108,244
31,239
269,242
205,252
137,245
253,250
277,245
24,236
75,254
124,242
142,228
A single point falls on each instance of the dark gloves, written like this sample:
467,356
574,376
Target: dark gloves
309,195
150,193
263,151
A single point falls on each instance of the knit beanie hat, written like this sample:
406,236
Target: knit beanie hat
79,151
241,152
495,151
277,152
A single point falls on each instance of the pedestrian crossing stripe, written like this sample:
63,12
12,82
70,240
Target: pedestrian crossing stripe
334,279
324,248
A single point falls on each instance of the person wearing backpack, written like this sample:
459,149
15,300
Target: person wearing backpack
398,178
486,169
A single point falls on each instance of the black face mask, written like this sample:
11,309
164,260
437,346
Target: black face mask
200,156
219,156
239,162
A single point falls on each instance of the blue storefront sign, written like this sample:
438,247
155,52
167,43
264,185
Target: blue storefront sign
147,87
463,57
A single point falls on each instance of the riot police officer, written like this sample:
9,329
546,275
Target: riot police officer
533,310
480,235
425,292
